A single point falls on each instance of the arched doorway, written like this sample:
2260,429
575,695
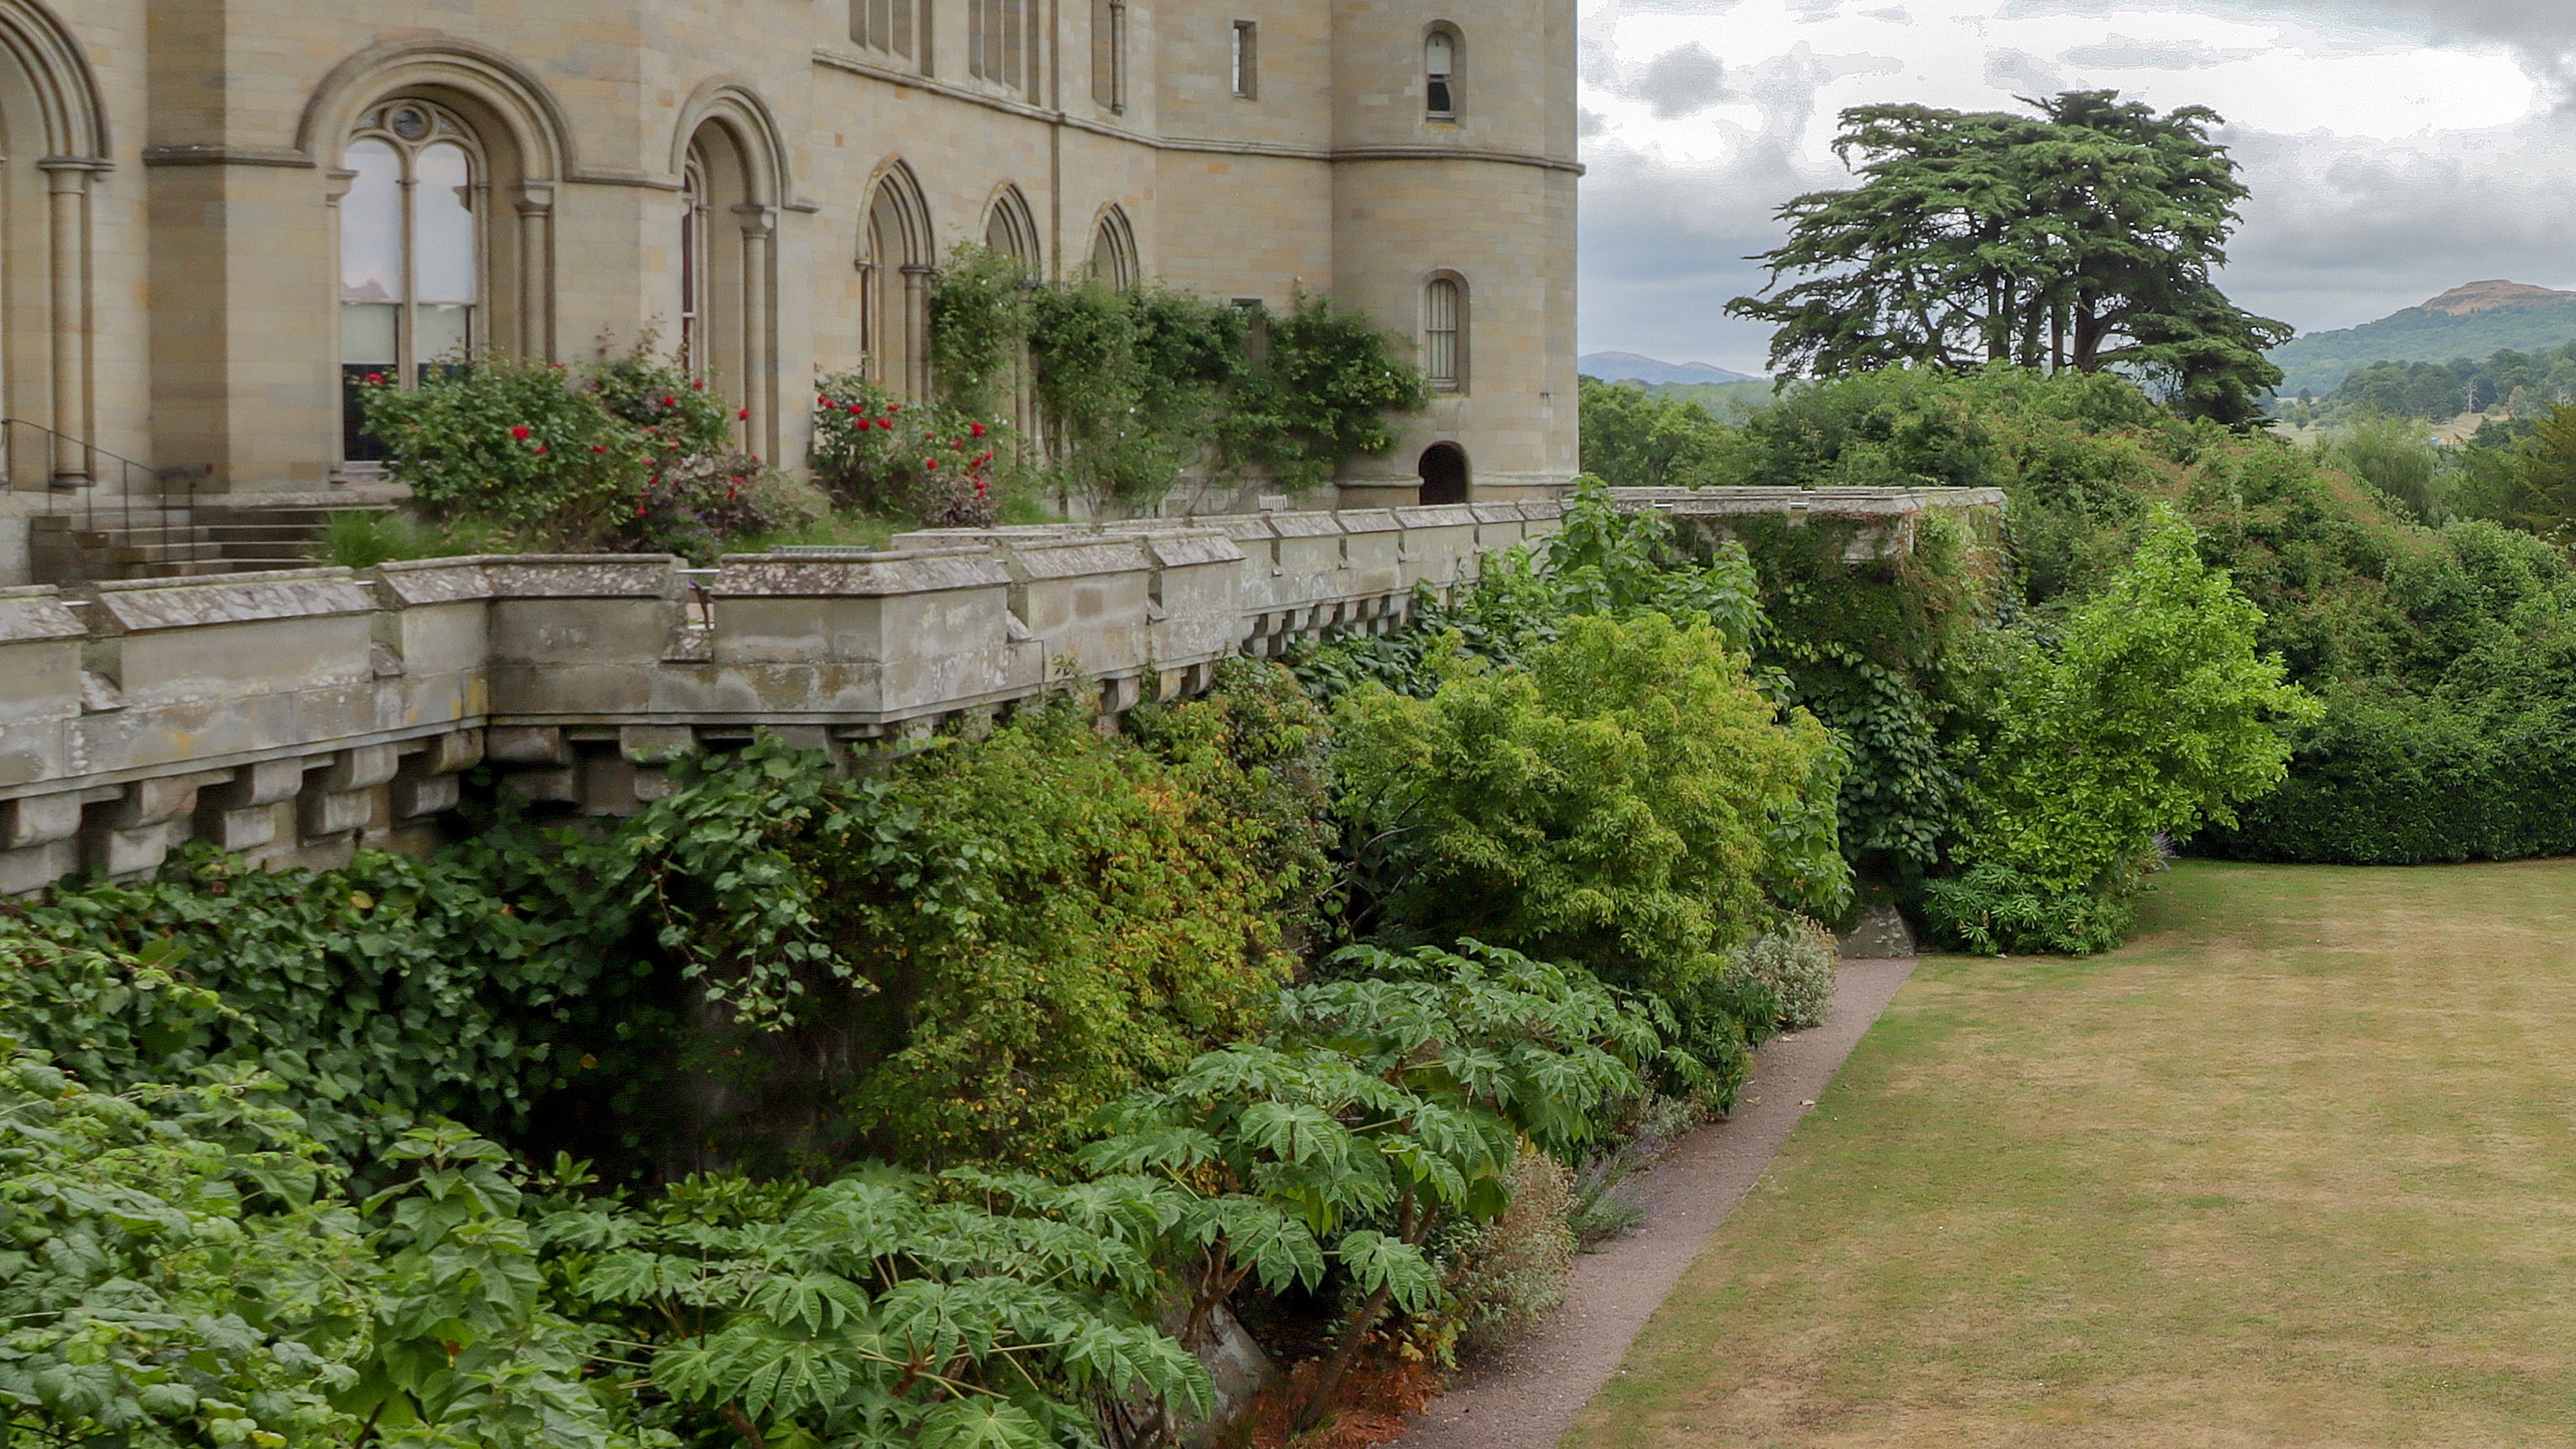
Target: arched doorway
1444,474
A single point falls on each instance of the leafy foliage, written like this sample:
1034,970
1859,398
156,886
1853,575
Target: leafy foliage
630,452
884,1307
1378,1107
1633,438
1795,960
1628,801
2083,237
928,463
378,995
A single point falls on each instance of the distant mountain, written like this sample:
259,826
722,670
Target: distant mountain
2474,321
1629,367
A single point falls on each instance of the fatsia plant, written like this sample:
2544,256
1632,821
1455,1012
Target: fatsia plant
997,1311
1378,1108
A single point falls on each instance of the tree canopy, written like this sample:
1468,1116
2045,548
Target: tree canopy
2083,236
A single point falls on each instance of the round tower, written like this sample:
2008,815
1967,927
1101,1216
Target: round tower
1454,177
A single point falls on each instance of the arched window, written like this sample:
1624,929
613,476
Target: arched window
1440,73
411,253
1010,229
1444,333
1113,251
895,262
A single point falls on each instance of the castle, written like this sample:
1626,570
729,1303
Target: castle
219,213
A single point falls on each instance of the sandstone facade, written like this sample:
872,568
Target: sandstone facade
188,190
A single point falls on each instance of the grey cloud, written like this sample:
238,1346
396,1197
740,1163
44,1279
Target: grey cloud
2121,53
1681,82
1893,14
2024,74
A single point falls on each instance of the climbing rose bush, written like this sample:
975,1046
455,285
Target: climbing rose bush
628,452
936,465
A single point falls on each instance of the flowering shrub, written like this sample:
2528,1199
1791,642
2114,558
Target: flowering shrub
1795,960
627,453
935,465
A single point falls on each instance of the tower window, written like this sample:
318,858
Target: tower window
1444,335
1440,74
1247,60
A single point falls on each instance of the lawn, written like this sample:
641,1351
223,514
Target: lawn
2295,1167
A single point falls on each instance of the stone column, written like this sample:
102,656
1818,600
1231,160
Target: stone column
67,194
536,299
759,331
916,330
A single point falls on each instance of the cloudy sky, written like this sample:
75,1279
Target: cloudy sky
2396,148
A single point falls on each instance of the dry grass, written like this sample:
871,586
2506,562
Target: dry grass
2296,1167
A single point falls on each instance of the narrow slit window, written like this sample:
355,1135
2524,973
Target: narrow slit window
1440,75
1247,60
1109,53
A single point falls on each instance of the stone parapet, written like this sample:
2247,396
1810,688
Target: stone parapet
296,716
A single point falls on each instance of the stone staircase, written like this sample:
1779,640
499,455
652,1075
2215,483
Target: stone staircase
214,537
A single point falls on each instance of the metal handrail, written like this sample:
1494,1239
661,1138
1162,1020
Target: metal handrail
70,471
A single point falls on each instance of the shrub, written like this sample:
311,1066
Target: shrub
629,453
940,467
1993,909
517,442
1795,960
1614,804
1512,1274
2153,714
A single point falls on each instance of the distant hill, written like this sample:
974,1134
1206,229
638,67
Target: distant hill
1630,367
2474,321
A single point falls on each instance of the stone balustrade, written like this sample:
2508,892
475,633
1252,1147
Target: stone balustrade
295,716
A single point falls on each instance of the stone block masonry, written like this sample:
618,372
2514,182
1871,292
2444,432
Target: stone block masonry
296,716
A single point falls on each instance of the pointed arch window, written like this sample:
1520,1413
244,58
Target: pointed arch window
412,246
894,286
1113,252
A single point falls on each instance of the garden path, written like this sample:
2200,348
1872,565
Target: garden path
1527,1398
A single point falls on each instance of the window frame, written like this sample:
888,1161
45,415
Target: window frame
1014,28
904,38
1454,384
442,126
1442,86
1244,60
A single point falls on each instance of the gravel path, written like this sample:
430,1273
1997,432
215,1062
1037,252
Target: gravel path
1528,1397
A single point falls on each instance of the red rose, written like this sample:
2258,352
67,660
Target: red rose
639,510
700,385
376,379
743,416
520,433
886,423
821,401
930,465
672,402
976,428
541,447
599,447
